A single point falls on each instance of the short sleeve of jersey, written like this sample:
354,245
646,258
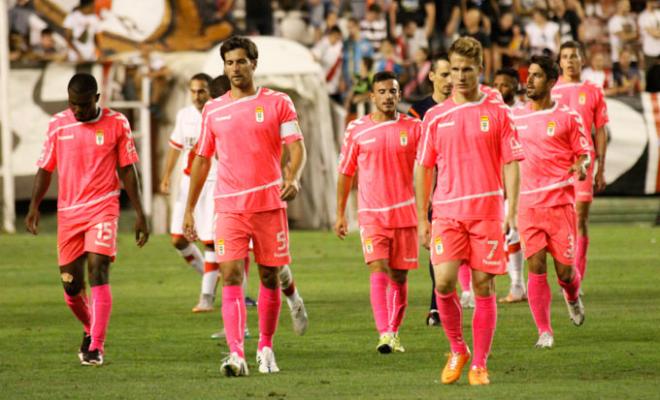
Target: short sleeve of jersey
578,135
289,127
510,146
600,112
126,144
48,158
206,142
176,138
417,132
349,153
426,151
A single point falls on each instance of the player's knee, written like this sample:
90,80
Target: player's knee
71,285
233,277
179,242
99,271
269,277
444,286
399,276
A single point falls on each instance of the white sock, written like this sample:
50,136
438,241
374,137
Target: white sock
197,262
286,278
210,278
514,268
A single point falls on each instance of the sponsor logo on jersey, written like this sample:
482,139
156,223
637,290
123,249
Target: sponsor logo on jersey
259,114
220,247
485,125
437,245
368,246
99,137
403,138
551,128
582,98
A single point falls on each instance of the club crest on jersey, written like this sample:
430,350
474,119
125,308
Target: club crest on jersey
99,137
259,114
403,138
582,98
368,246
484,125
437,245
220,247
551,128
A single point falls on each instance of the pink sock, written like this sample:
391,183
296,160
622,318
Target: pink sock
268,307
397,300
378,294
79,307
484,321
451,315
581,255
539,297
234,315
101,308
571,288
465,276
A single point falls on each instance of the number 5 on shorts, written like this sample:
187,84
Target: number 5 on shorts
104,232
281,241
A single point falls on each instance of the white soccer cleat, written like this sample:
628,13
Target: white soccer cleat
266,361
546,341
467,299
575,310
205,304
234,365
299,317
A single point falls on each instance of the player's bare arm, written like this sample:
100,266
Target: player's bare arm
291,181
512,187
170,163
129,177
423,184
601,149
344,184
198,173
580,167
39,189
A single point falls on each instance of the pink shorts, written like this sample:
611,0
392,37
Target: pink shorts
584,190
548,227
480,243
398,245
75,239
269,231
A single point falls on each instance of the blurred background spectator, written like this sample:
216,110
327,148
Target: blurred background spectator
649,29
82,26
328,53
598,74
374,25
542,35
623,30
627,78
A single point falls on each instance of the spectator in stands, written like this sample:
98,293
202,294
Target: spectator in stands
598,74
259,17
568,19
293,26
474,28
418,86
18,47
48,49
421,12
82,27
524,8
622,28
411,41
374,26
649,28
542,34
507,50
627,79
388,59
25,21
328,53
447,21
356,48
359,93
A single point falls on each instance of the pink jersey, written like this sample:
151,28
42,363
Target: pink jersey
552,139
384,155
247,136
86,156
587,99
469,144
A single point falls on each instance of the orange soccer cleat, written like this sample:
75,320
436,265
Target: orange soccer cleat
454,367
478,376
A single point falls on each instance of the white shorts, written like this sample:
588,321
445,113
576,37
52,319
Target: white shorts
203,211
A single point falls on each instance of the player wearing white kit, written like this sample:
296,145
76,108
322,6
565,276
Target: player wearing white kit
183,139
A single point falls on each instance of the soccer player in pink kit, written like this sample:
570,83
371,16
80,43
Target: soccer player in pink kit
556,148
471,139
381,146
88,146
245,129
588,100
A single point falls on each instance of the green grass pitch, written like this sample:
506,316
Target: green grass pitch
157,349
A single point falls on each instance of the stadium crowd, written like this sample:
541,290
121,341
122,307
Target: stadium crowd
353,39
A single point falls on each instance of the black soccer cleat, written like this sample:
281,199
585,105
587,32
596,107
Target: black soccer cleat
94,358
433,318
84,346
